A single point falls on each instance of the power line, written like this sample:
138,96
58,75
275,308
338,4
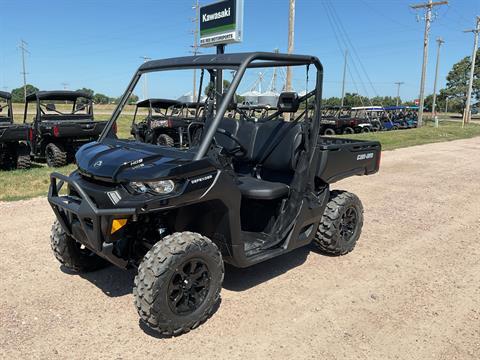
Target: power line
440,41
398,83
466,114
23,46
344,75
145,81
428,18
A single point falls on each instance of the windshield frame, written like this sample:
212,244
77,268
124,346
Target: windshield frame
239,62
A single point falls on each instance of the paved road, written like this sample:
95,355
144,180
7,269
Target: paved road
410,290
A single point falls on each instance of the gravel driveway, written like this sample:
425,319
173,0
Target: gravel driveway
410,290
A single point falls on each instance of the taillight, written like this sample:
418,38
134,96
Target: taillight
30,134
56,131
114,127
379,158
170,123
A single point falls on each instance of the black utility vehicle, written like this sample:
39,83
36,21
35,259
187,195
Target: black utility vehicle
166,122
62,123
339,120
246,192
14,151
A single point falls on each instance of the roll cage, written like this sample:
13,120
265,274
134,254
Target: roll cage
239,62
6,113
59,95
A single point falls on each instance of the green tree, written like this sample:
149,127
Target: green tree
88,91
457,81
101,99
18,94
133,99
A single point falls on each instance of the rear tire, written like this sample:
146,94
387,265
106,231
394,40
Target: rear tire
55,155
165,140
341,224
7,157
329,132
178,283
348,130
365,130
23,157
71,253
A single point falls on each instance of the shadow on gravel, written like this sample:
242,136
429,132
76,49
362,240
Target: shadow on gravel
150,332
111,280
243,279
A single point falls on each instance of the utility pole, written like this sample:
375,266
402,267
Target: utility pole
145,81
23,47
466,114
398,83
291,33
440,41
194,50
428,18
344,76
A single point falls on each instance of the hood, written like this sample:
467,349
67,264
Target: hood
121,160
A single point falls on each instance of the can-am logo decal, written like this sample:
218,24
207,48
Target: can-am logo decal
98,164
215,16
203,178
365,156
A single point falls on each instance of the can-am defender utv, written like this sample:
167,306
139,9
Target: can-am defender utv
166,121
62,123
14,151
247,192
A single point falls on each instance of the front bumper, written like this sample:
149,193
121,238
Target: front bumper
83,220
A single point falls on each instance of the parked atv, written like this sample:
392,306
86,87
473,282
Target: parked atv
63,122
166,122
338,120
14,150
244,193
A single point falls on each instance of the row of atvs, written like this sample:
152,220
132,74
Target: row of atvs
346,120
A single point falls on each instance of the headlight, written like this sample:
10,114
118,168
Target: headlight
160,187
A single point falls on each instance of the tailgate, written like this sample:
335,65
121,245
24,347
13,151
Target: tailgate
339,158
80,130
14,133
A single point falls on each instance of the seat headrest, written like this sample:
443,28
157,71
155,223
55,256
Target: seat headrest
288,102
50,107
232,105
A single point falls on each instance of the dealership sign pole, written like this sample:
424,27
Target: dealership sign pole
221,23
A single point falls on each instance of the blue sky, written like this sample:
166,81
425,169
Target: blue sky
98,43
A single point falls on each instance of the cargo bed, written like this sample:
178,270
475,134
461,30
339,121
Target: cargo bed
339,158
13,132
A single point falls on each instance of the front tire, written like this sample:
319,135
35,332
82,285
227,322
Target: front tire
165,140
23,157
348,130
341,224
55,155
71,253
178,283
329,132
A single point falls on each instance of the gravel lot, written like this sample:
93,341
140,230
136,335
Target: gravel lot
410,290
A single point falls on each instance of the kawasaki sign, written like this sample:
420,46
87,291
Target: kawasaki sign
221,23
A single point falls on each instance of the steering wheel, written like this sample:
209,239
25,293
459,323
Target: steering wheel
238,150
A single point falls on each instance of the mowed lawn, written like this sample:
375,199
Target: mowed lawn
24,184
447,131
